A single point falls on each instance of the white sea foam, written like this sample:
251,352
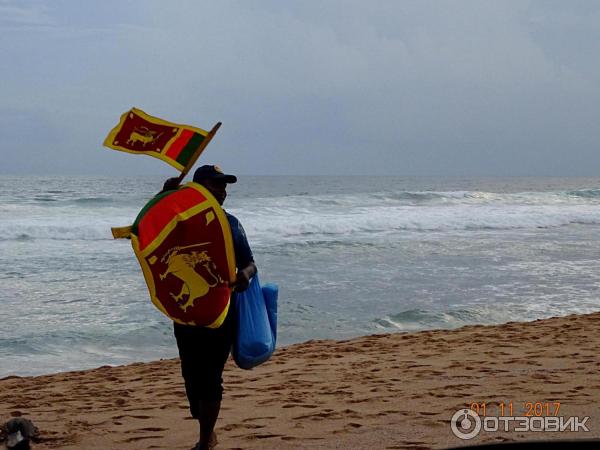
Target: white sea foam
365,216
84,227
358,216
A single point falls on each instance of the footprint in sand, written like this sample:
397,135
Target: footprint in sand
141,438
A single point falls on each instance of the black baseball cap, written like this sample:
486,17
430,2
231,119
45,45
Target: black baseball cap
213,173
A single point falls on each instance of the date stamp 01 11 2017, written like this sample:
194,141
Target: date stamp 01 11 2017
511,409
535,416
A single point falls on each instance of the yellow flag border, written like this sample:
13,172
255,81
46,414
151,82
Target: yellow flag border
108,142
194,210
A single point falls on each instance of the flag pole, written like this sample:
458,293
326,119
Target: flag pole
198,152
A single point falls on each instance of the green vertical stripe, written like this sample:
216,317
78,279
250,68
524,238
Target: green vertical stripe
150,204
189,149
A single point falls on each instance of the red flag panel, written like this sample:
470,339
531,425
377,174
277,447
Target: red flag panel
139,134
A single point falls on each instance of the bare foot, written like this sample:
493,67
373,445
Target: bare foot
212,443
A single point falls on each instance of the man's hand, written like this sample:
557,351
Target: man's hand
242,280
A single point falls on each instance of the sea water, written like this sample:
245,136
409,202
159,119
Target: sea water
351,255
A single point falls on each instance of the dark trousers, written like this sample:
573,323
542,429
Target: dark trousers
203,353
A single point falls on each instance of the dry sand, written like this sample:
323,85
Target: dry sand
382,391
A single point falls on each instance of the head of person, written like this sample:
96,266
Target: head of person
214,180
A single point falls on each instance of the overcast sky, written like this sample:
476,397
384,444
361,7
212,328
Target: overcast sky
459,88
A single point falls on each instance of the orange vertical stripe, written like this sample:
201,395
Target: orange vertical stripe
175,148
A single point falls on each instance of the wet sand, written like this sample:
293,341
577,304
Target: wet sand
382,391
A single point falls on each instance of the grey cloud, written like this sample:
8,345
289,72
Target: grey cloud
410,87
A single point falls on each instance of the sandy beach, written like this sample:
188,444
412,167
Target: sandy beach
381,391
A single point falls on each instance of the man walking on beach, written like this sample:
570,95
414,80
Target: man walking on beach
203,351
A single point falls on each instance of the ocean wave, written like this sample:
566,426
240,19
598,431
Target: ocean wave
304,218
44,198
365,223
425,199
490,198
94,200
286,224
421,319
422,196
476,314
66,231
47,351
585,193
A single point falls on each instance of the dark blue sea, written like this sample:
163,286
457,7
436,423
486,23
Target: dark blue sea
351,255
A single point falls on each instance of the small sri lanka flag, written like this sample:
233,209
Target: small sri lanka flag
140,133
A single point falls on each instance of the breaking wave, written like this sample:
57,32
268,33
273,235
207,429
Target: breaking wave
302,218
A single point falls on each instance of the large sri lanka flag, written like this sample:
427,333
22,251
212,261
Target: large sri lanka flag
141,133
183,243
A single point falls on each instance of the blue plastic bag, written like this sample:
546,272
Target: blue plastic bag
256,329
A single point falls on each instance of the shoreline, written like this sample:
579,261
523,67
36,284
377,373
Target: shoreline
395,390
